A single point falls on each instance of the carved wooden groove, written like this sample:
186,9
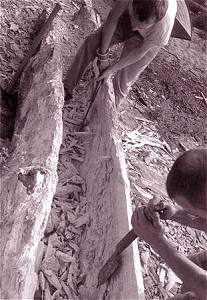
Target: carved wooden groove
109,204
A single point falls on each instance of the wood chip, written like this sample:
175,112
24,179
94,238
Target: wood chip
47,294
67,173
135,140
55,217
65,257
51,263
64,276
69,235
76,179
162,275
39,255
76,157
183,146
63,191
41,279
74,122
65,161
83,220
71,217
204,98
153,275
52,279
74,229
14,27
54,240
142,192
66,290
50,225
73,246
56,295
143,120
144,256
61,227
73,142
172,279
83,133
69,292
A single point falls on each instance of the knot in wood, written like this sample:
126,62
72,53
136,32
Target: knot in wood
31,178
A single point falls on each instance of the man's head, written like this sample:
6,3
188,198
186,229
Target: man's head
149,11
187,181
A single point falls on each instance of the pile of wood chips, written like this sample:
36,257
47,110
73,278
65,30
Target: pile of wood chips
58,262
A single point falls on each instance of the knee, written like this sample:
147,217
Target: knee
185,296
118,89
89,39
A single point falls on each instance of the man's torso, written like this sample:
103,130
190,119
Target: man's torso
159,33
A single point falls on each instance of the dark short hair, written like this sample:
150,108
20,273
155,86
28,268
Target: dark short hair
188,178
145,9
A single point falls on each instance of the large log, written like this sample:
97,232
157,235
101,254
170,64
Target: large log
29,181
45,28
109,205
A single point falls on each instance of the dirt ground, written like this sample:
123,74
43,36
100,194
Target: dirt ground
164,115
175,99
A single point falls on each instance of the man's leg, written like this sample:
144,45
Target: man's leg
200,259
87,51
185,296
85,54
124,79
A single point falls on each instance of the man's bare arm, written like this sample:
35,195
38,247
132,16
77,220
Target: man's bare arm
111,23
168,211
186,270
151,231
134,56
184,218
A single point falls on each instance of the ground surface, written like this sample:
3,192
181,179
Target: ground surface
168,104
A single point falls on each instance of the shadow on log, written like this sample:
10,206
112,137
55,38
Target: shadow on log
29,181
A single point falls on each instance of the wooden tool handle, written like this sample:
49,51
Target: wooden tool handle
93,98
125,242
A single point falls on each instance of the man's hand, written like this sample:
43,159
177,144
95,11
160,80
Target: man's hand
103,65
100,65
106,74
102,61
150,208
145,229
166,210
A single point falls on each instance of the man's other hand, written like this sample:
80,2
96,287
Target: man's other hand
166,210
145,229
105,75
103,65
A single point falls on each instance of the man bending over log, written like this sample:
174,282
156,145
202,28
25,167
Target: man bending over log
143,25
187,186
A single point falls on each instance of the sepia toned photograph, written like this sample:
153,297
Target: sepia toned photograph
103,149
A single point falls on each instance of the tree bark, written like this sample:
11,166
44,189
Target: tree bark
29,181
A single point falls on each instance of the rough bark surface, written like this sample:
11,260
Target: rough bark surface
29,181
109,205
